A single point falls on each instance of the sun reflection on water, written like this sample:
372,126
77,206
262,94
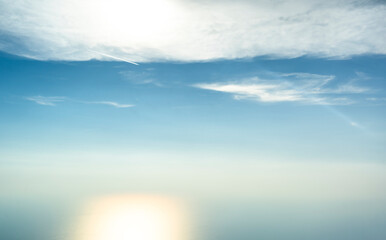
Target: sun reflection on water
134,217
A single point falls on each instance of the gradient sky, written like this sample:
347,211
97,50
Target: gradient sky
265,102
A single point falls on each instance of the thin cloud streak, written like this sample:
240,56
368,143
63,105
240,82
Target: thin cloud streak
114,104
114,57
346,118
51,101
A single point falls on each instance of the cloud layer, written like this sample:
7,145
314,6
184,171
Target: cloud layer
150,30
294,87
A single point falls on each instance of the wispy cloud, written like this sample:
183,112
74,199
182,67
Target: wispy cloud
376,99
140,77
52,101
48,101
293,87
154,30
114,104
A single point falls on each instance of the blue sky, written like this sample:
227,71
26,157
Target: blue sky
170,107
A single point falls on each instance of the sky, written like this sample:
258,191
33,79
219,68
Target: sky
302,109
221,103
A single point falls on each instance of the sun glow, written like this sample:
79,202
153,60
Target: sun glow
134,217
120,21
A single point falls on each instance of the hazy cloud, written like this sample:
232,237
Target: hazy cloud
140,77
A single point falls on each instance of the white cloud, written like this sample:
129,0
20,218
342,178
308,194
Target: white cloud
149,30
48,101
294,87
